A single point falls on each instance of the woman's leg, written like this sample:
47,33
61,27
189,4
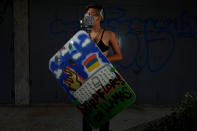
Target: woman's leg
86,126
104,127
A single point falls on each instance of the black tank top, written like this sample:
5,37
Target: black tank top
101,45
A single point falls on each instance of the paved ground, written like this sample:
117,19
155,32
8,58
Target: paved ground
68,118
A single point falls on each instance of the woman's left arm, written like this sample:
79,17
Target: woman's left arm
117,55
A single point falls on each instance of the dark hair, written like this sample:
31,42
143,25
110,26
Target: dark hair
95,6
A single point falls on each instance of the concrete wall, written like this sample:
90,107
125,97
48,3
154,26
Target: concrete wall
21,51
158,41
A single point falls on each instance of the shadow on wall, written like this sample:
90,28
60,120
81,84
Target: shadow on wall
3,7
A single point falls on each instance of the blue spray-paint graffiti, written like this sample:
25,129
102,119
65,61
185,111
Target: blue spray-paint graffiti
164,28
57,21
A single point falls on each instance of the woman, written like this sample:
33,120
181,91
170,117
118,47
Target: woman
104,39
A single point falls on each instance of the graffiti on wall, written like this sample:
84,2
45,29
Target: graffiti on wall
144,32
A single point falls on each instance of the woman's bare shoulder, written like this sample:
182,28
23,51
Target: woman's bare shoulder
109,32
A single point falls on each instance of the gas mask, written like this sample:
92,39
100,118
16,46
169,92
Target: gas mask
86,22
